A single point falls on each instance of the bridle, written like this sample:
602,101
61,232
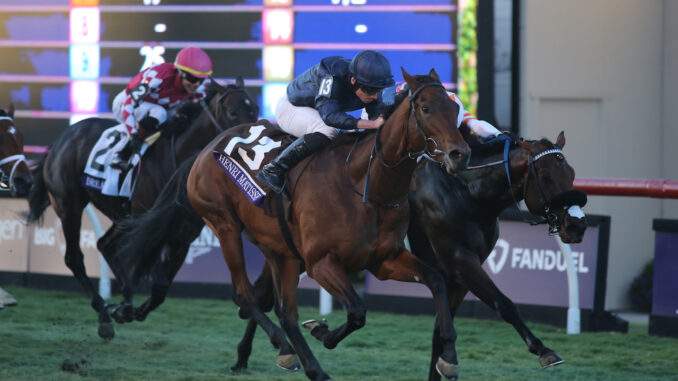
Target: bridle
215,117
411,155
7,180
561,200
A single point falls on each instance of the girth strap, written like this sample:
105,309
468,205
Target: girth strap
284,228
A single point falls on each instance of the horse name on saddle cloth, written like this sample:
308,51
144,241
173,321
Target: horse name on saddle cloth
98,174
241,157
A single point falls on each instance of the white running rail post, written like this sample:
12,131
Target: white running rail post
573,312
104,280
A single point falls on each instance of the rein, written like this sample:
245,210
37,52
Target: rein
411,155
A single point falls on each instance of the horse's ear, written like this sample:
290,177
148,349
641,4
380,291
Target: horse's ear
434,75
240,82
217,86
412,83
10,111
560,141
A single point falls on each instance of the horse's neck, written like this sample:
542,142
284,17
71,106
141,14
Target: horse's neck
490,187
391,170
201,132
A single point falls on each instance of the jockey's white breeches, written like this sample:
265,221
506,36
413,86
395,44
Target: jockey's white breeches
145,108
300,121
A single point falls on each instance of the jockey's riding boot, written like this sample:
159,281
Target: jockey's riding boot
122,160
273,173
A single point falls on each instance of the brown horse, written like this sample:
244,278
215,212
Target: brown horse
336,233
14,173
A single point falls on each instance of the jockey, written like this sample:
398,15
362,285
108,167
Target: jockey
145,102
316,103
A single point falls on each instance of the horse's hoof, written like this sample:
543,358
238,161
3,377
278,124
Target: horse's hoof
122,313
106,330
550,359
312,324
243,314
238,367
446,369
317,328
288,362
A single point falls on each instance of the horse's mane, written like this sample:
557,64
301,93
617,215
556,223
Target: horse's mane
3,112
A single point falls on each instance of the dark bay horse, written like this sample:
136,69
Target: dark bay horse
454,224
58,181
369,236
14,173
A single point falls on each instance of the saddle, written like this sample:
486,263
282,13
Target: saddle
98,174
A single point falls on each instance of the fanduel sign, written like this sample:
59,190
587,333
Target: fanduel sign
527,266
537,259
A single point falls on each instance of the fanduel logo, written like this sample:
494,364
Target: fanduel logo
531,259
202,245
11,230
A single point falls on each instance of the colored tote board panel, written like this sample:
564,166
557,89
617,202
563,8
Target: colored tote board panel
665,277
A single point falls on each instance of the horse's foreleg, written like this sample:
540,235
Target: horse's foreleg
478,282
455,295
330,274
73,258
286,277
408,268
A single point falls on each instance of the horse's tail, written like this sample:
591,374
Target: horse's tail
38,199
145,235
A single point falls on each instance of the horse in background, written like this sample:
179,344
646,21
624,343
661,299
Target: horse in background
454,224
370,235
15,175
58,181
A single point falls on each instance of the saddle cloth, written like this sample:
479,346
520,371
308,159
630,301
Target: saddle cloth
100,176
243,153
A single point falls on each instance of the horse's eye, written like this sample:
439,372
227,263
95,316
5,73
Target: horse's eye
425,109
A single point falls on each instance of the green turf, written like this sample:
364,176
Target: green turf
52,336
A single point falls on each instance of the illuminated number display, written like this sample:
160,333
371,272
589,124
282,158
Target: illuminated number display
74,56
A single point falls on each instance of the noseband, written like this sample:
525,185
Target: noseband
559,201
7,180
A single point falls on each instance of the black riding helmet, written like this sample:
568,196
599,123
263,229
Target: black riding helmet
371,69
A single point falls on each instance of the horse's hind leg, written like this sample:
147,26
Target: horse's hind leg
71,222
478,282
286,278
265,294
162,274
228,232
107,245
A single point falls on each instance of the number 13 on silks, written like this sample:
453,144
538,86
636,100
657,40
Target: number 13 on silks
265,144
326,87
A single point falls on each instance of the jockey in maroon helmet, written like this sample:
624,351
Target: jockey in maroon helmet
145,102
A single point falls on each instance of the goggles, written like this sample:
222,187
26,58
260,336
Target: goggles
191,78
369,90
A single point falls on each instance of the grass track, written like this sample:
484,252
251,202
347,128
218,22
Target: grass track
52,336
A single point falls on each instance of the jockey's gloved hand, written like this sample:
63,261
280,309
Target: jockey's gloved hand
501,137
149,123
